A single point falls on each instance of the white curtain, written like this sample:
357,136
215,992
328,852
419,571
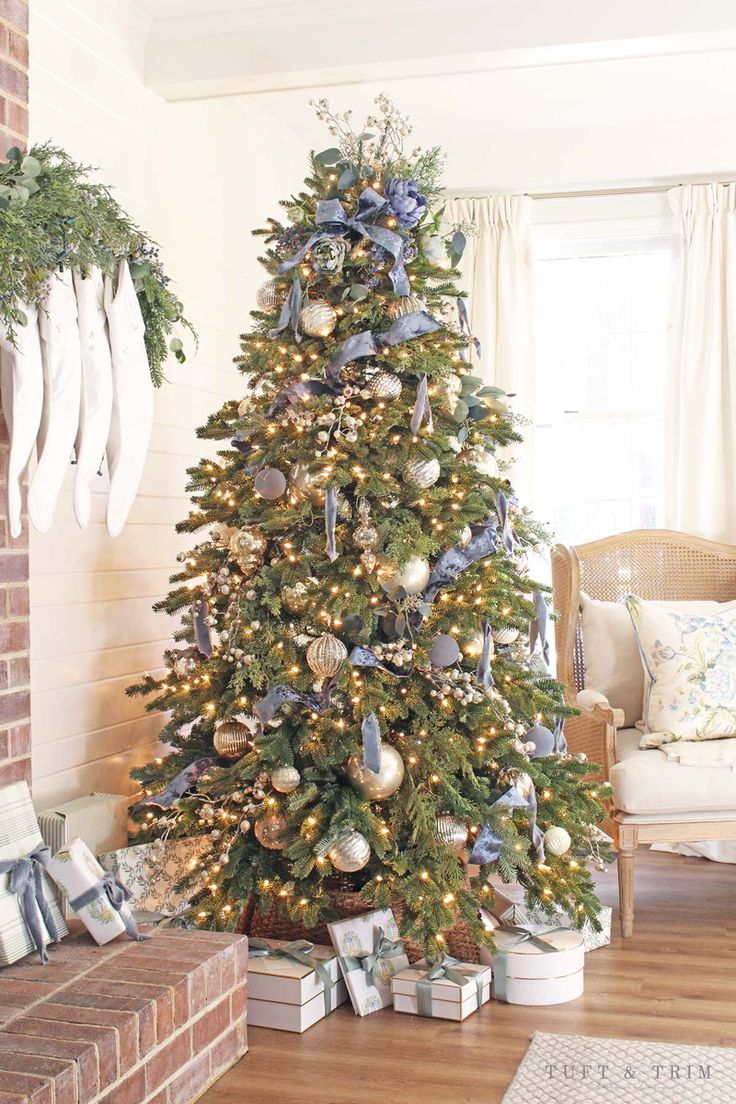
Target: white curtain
497,273
701,380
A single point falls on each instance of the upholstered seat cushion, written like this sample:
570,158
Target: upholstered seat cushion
647,782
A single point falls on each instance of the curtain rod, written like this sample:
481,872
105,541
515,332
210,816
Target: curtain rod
587,193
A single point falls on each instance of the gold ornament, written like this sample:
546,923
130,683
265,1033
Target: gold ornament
306,484
350,852
269,296
385,385
376,785
505,636
407,304
285,779
318,319
270,832
557,840
422,473
365,536
295,598
472,644
413,577
326,655
247,547
232,739
450,830
369,560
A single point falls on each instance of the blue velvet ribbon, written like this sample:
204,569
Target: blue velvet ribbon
290,312
488,843
483,671
117,895
501,958
449,969
538,626
330,517
365,344
202,637
507,537
26,882
422,409
182,782
453,562
371,735
333,221
364,657
462,313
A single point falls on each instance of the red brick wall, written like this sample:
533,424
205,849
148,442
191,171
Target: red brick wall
15,703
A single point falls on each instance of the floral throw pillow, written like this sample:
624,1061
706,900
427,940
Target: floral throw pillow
689,670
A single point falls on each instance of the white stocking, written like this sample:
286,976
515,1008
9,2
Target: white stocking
22,398
95,409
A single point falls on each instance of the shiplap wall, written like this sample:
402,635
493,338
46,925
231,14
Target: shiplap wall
198,176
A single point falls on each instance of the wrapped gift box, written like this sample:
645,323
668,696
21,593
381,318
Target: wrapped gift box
20,836
357,938
509,906
443,999
287,994
527,972
100,819
151,872
75,870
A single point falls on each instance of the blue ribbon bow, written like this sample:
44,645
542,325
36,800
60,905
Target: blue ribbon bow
373,963
447,969
26,881
501,958
117,895
333,221
301,951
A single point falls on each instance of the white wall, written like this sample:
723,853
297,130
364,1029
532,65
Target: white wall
197,178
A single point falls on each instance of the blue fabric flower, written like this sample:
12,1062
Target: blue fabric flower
406,203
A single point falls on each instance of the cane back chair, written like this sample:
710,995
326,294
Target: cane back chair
655,564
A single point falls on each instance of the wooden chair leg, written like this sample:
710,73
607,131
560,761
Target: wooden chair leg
627,841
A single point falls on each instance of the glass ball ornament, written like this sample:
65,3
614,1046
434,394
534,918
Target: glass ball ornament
326,655
270,483
405,304
543,740
386,386
366,536
472,644
318,319
505,636
557,840
285,779
270,832
295,598
247,548
350,852
232,739
376,785
422,473
269,296
485,463
450,830
307,484
412,577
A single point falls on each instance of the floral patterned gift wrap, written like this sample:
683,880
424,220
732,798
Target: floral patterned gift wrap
105,913
370,953
151,872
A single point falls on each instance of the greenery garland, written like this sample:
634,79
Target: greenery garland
52,216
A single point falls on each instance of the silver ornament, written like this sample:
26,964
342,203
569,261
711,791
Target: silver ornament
485,463
350,852
318,319
270,483
285,779
247,547
422,473
450,830
412,577
369,560
465,537
269,296
245,406
326,655
232,739
270,832
406,304
445,650
385,385
542,739
306,484
557,840
376,785
505,636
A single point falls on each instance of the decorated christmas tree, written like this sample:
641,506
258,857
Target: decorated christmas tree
359,688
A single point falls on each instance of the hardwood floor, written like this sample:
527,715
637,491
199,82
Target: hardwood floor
675,980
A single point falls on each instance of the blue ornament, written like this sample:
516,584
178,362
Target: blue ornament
543,740
405,202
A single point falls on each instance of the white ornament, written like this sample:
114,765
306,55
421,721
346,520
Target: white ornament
268,296
557,840
485,463
505,636
412,577
285,779
350,852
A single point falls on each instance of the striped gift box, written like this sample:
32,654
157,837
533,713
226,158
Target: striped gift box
19,836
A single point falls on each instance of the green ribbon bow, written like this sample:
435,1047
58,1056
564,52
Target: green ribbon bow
299,950
447,968
369,961
501,959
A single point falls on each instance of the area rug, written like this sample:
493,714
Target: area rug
577,1069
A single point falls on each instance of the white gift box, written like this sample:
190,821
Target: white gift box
289,995
151,872
510,907
526,973
75,870
20,836
449,1001
100,819
356,938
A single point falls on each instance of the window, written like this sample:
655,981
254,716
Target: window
601,330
